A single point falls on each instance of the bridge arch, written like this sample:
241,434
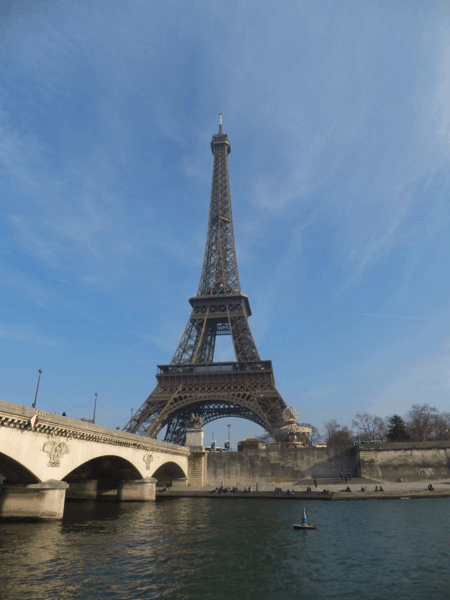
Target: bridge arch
108,466
15,471
169,472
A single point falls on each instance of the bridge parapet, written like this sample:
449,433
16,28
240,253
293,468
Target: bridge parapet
18,416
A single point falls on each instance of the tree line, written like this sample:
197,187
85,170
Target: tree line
420,424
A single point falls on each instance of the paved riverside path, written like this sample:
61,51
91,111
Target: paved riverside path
336,487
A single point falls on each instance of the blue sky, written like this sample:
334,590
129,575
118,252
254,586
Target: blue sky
339,119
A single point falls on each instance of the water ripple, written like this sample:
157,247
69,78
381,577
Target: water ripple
203,548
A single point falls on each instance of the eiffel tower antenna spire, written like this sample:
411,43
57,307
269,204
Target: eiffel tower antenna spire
193,383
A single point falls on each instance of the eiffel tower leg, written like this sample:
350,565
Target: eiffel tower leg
187,346
243,342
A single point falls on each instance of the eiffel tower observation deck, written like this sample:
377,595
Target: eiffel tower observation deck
193,384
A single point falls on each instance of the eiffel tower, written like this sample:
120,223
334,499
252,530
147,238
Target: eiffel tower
193,383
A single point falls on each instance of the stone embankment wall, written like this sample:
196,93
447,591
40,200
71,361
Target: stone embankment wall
409,461
279,465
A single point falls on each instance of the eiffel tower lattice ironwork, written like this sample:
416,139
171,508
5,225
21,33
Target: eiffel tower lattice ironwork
193,383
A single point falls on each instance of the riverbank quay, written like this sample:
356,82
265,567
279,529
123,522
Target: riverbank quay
335,491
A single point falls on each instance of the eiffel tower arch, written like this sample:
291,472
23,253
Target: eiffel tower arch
193,383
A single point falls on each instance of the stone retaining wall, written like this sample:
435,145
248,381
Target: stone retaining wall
278,465
411,461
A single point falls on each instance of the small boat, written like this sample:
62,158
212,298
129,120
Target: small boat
304,523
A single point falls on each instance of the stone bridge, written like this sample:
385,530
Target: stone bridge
60,458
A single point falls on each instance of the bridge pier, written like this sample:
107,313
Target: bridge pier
127,490
137,490
197,461
180,482
82,490
197,467
41,501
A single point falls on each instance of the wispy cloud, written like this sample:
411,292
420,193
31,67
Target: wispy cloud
321,391
426,382
25,333
364,314
28,286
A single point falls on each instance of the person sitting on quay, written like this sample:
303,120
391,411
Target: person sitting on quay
376,488
363,489
348,489
430,488
381,489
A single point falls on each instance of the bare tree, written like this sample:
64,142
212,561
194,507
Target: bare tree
441,431
369,427
336,434
421,422
315,436
266,438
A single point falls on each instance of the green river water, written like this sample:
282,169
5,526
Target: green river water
190,548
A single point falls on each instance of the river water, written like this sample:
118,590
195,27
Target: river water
193,548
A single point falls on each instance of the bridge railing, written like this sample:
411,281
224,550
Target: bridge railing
16,415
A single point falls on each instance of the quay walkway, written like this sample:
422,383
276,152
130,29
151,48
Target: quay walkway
336,488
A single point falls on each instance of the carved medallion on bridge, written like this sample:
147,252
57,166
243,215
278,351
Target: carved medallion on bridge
148,459
55,450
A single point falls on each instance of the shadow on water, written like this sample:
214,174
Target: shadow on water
192,548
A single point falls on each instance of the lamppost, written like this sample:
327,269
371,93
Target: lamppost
37,389
229,438
95,406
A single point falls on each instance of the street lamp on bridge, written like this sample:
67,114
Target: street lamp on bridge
37,389
95,406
